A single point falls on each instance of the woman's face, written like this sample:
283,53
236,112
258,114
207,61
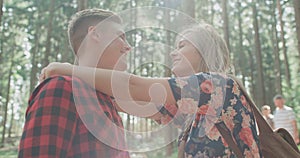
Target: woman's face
186,59
266,112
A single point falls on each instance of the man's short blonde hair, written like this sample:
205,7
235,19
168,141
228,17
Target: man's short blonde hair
82,20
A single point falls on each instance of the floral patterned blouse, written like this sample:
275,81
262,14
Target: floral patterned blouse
203,100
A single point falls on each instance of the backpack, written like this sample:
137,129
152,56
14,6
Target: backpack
273,144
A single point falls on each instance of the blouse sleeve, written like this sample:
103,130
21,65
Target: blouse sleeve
193,91
190,93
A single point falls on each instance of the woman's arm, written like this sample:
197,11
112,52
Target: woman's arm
119,84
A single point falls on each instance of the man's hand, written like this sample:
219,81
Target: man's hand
55,68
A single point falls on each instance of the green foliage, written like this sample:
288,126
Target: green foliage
292,96
8,154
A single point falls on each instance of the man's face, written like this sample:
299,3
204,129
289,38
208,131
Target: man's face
106,47
279,102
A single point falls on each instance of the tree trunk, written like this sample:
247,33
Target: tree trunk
1,74
33,77
167,24
34,51
82,4
66,55
225,23
139,124
212,13
297,19
239,67
261,99
128,122
286,63
49,33
277,69
12,115
34,68
132,125
134,15
252,67
7,101
147,128
1,11
1,50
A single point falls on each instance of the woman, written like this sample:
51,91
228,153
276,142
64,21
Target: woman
266,112
202,97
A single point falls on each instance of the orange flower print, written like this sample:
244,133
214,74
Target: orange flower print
233,101
246,136
187,105
245,103
213,134
246,120
181,83
247,153
206,86
243,100
235,89
228,116
203,109
217,100
231,112
255,150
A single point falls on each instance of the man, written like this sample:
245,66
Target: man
284,117
63,109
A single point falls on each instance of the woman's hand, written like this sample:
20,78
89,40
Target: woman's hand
55,68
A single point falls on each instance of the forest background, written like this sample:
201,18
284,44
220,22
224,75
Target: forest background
263,37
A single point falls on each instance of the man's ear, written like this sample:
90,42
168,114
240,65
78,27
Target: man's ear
93,33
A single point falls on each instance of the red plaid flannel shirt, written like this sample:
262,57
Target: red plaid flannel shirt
59,118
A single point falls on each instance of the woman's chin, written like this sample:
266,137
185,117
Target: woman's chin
177,72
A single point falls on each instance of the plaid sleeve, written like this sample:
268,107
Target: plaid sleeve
50,120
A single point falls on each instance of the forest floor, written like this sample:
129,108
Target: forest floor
9,152
12,152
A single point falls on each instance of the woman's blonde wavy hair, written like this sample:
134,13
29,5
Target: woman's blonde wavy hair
211,46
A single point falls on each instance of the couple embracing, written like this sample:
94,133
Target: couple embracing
65,104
